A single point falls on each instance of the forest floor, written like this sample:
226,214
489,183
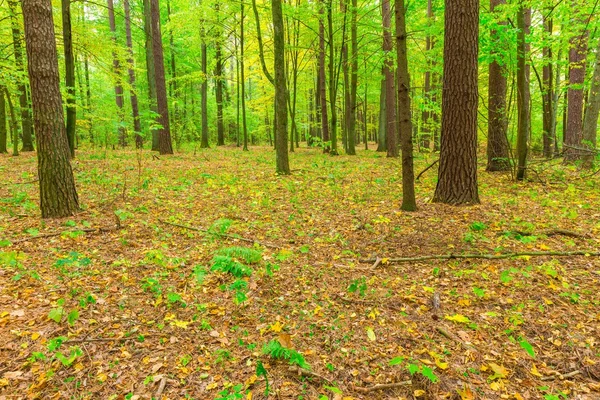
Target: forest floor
118,302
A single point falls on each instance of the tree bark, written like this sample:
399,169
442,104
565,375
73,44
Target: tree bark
150,76
3,133
243,79
497,146
409,202
71,105
26,120
164,133
351,125
426,129
117,75
590,123
523,92
388,73
282,162
219,93
382,127
137,128
58,196
322,81
575,93
457,175
332,80
547,93
204,97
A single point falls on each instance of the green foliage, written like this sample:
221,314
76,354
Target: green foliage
220,227
424,370
262,371
227,264
249,256
358,285
233,394
175,298
275,350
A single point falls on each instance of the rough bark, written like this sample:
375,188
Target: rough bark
382,127
164,133
58,196
69,75
575,93
281,150
404,118
243,79
135,112
322,82
204,98
497,145
219,93
457,174
332,80
150,70
351,125
26,119
590,123
3,132
117,75
523,92
547,94
388,73
427,88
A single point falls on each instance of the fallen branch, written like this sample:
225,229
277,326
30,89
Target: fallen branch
551,232
561,376
161,387
501,256
122,339
307,373
223,235
427,169
382,386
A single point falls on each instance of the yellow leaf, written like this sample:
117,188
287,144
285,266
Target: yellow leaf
418,393
371,334
495,386
458,318
534,371
158,301
517,396
249,396
466,393
250,381
180,324
35,335
441,365
211,386
277,327
285,340
102,377
3,382
499,371
385,260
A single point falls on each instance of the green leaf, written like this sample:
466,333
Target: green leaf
428,373
56,314
72,317
333,389
527,346
396,361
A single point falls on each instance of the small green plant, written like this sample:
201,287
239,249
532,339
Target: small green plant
478,226
275,350
249,256
424,370
262,371
229,265
358,285
199,272
233,394
152,285
240,287
175,298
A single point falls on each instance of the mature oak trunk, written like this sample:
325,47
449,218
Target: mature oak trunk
69,75
58,196
281,150
497,145
26,120
164,133
388,73
590,122
332,80
404,118
523,92
351,125
137,128
457,174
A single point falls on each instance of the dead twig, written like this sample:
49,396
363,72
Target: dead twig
427,169
561,376
307,373
161,387
500,256
377,262
224,235
122,339
382,386
551,232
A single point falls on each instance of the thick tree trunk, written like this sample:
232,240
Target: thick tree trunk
547,93
405,124
282,162
577,64
523,92
164,134
3,133
590,123
204,98
58,196
117,75
150,76
26,120
497,146
322,81
457,175
390,92
173,86
137,128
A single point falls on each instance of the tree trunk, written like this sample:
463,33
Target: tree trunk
26,120
351,124
88,97
219,93
332,80
164,134
497,146
388,73
58,196
71,105
457,175
577,63
322,81
405,124
150,75
173,85
13,124
382,128
547,93
282,162
137,128
243,79
204,98
590,123
427,95
523,93
3,133
117,75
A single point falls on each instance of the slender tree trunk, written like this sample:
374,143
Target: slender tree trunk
332,80
164,134
150,76
71,105
58,196
3,133
26,120
409,202
346,71
426,115
137,128
590,123
547,93
88,97
497,146
117,75
523,93
322,81
351,124
243,79
457,174
173,85
204,97
390,92
282,163
219,93
575,93
382,130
